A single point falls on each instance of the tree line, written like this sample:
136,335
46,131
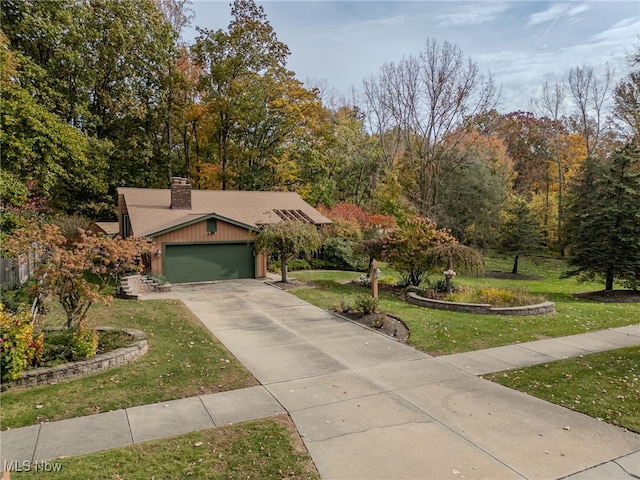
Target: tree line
104,93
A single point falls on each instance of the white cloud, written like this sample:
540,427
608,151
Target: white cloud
620,33
555,12
473,14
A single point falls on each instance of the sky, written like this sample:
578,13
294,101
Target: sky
522,43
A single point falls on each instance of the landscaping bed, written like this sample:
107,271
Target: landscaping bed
380,322
183,360
438,332
115,347
611,296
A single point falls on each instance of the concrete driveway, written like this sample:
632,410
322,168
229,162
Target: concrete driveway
368,407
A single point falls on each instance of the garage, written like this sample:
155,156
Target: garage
204,262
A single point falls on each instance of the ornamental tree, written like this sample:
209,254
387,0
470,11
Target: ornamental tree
288,240
351,221
63,268
410,248
364,229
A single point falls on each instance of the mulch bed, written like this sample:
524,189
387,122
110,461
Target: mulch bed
611,296
387,324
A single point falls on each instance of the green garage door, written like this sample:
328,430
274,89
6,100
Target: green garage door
207,261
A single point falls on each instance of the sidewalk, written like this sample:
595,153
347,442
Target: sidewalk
366,406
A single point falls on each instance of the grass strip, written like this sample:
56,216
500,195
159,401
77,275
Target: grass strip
603,385
262,449
183,360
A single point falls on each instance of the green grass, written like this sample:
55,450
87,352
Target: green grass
263,449
602,385
183,360
439,332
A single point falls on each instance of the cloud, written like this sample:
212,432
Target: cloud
620,33
387,21
553,13
473,14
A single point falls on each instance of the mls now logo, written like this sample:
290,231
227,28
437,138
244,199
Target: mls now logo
27,466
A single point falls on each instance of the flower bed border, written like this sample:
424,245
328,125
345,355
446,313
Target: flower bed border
68,371
544,308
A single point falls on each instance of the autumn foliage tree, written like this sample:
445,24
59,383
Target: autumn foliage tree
424,99
364,230
410,248
76,273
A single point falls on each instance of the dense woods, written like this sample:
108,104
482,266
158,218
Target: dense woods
105,93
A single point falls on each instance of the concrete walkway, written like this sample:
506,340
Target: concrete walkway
366,406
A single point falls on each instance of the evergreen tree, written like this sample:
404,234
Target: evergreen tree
604,223
520,232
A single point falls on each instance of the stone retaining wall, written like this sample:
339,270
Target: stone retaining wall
545,308
67,371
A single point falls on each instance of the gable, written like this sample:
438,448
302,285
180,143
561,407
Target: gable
201,223
197,232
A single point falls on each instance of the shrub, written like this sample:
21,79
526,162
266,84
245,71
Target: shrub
57,347
388,280
19,346
84,342
320,264
298,264
439,285
62,346
497,297
340,253
109,340
366,304
343,306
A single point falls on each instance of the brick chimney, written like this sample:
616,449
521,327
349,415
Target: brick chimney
180,194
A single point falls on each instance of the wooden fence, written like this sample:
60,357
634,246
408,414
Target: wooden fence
16,271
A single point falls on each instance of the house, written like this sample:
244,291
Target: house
204,235
110,229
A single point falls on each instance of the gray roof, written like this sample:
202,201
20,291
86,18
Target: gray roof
150,211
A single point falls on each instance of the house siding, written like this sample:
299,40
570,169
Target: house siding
197,233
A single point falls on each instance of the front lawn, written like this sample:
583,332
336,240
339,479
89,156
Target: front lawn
263,449
183,360
602,385
439,332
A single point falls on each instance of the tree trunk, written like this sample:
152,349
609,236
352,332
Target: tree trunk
609,281
515,265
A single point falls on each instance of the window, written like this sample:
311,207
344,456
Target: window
212,226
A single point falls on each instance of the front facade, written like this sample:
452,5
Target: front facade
205,235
